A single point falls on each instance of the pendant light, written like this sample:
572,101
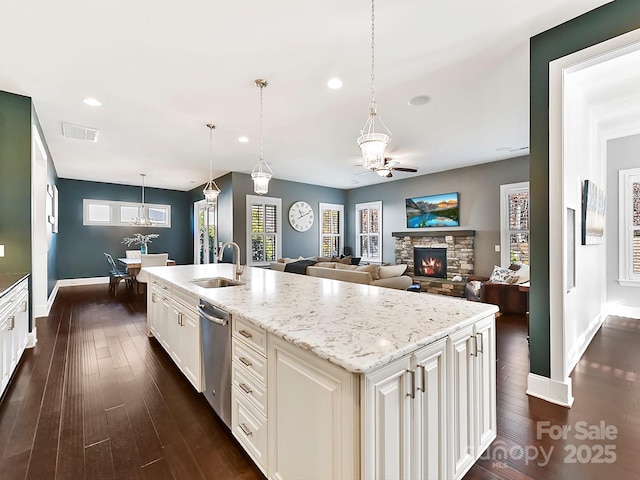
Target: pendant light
261,173
142,220
211,190
372,143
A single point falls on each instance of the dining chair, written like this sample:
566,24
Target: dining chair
116,276
150,260
132,253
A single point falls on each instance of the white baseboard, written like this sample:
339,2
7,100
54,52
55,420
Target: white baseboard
32,338
75,282
550,390
623,311
576,353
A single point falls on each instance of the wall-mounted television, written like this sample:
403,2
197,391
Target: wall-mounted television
433,211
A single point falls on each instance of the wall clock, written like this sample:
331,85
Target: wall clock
301,216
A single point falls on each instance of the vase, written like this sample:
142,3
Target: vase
143,249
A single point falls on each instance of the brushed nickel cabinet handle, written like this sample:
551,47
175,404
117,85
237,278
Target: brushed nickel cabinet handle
412,391
13,322
245,361
245,388
481,347
245,429
245,334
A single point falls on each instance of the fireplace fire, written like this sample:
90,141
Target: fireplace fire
430,262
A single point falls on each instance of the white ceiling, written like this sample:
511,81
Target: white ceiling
162,70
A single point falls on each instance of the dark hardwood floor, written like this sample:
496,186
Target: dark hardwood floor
98,399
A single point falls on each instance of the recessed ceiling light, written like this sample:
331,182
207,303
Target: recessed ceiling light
92,102
419,100
334,83
243,139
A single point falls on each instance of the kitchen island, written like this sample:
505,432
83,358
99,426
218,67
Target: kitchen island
340,380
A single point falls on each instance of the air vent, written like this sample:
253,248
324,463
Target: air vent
70,130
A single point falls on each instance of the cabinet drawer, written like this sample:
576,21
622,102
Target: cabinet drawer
250,334
249,387
250,428
188,300
163,286
251,360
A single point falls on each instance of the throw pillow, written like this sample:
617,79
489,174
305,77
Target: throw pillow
343,266
523,274
326,264
372,269
390,271
345,260
503,275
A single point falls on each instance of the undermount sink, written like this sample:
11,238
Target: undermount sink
216,282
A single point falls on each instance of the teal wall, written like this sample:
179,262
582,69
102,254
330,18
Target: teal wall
15,182
604,23
80,247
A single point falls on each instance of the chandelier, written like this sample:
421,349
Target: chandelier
211,190
372,143
261,173
142,220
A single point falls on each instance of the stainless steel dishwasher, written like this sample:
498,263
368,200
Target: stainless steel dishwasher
215,329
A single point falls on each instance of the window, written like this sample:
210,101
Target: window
119,214
368,231
264,226
629,253
514,231
331,229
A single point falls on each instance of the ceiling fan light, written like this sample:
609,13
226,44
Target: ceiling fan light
373,146
383,172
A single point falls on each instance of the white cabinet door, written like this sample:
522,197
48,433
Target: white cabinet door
430,419
461,432
174,336
190,347
312,416
5,349
486,426
153,312
473,379
387,422
22,322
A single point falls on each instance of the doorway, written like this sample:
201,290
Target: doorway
205,229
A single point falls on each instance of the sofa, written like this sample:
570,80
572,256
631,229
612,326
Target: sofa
501,288
390,276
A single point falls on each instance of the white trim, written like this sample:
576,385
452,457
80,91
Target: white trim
623,311
505,244
260,200
575,354
369,205
75,282
550,390
330,206
114,213
626,178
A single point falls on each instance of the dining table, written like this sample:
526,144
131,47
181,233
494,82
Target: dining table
133,264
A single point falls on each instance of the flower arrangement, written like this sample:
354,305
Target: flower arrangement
139,239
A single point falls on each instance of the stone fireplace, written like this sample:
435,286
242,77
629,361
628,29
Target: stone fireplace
456,246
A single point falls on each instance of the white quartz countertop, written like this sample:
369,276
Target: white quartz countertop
358,327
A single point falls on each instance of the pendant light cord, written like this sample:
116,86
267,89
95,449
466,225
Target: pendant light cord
261,132
210,151
373,36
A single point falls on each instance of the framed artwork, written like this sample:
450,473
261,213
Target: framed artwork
433,211
593,209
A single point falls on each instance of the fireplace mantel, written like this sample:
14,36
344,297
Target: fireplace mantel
436,232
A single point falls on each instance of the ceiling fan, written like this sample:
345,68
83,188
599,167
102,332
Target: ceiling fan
389,166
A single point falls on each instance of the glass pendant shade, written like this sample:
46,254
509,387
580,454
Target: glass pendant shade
211,192
373,146
261,175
